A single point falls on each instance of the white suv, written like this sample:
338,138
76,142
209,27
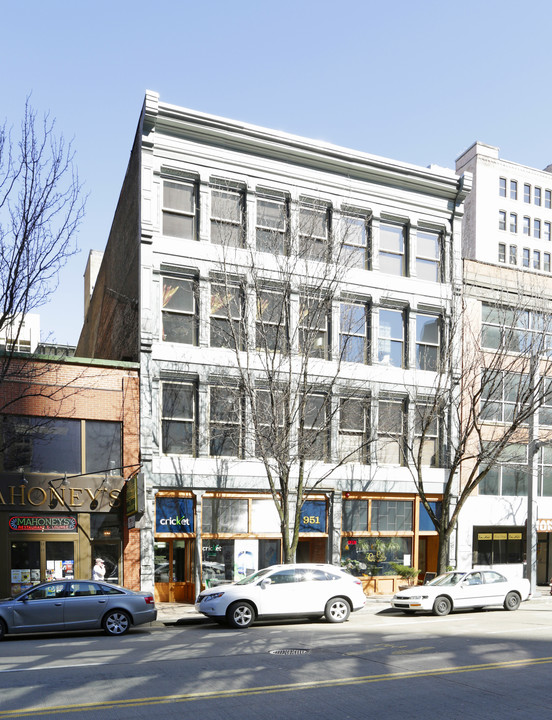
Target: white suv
299,590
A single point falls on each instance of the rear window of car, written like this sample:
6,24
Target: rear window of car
111,590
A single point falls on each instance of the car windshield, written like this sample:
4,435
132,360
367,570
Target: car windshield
450,578
252,578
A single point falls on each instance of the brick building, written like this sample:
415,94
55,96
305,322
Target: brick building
69,434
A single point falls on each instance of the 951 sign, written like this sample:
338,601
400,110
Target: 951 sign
313,516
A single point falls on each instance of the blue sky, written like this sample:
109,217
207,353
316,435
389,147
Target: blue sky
413,80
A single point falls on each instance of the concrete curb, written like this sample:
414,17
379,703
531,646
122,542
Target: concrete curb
171,614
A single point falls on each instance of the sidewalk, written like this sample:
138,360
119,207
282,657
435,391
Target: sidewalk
183,614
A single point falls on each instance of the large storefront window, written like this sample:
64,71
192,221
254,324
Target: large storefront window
374,555
230,560
498,545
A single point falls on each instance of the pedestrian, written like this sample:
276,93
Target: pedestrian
98,571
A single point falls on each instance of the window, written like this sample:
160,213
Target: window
179,210
498,545
536,259
501,252
526,257
355,241
272,319
427,342
428,259
227,217
545,411
178,418
515,329
513,223
180,311
354,426
391,342
502,220
374,555
544,460
548,199
392,249
353,332
103,445
527,226
547,231
513,254
391,516
508,477
546,262
54,445
225,421
502,394
226,315
314,232
314,327
269,423
427,433
536,228
527,193
224,515
537,196
513,189
272,225
502,187
314,436
391,432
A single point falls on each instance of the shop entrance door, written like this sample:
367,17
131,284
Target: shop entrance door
33,561
174,581
311,550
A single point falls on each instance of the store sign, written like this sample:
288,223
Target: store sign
544,525
174,515
313,516
42,523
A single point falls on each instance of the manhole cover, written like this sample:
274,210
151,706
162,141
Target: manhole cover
290,651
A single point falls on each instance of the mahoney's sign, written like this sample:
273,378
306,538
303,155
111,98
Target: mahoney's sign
544,525
42,523
45,497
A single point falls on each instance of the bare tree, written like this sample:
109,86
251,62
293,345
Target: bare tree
41,207
493,376
286,379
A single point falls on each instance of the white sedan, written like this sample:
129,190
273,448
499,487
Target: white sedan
298,590
458,590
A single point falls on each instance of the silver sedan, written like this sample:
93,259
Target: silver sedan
76,605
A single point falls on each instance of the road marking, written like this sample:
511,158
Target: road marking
291,687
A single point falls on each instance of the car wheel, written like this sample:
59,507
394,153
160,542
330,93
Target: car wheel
337,610
2,629
117,622
512,601
442,605
240,615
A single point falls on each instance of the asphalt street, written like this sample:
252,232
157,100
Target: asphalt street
381,663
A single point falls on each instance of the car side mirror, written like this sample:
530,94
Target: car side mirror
265,583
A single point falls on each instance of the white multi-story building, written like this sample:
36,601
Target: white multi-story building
197,184
507,249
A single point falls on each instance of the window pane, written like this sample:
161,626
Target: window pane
178,196
391,515
103,445
224,515
355,515
392,238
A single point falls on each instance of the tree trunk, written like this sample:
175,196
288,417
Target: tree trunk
443,557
